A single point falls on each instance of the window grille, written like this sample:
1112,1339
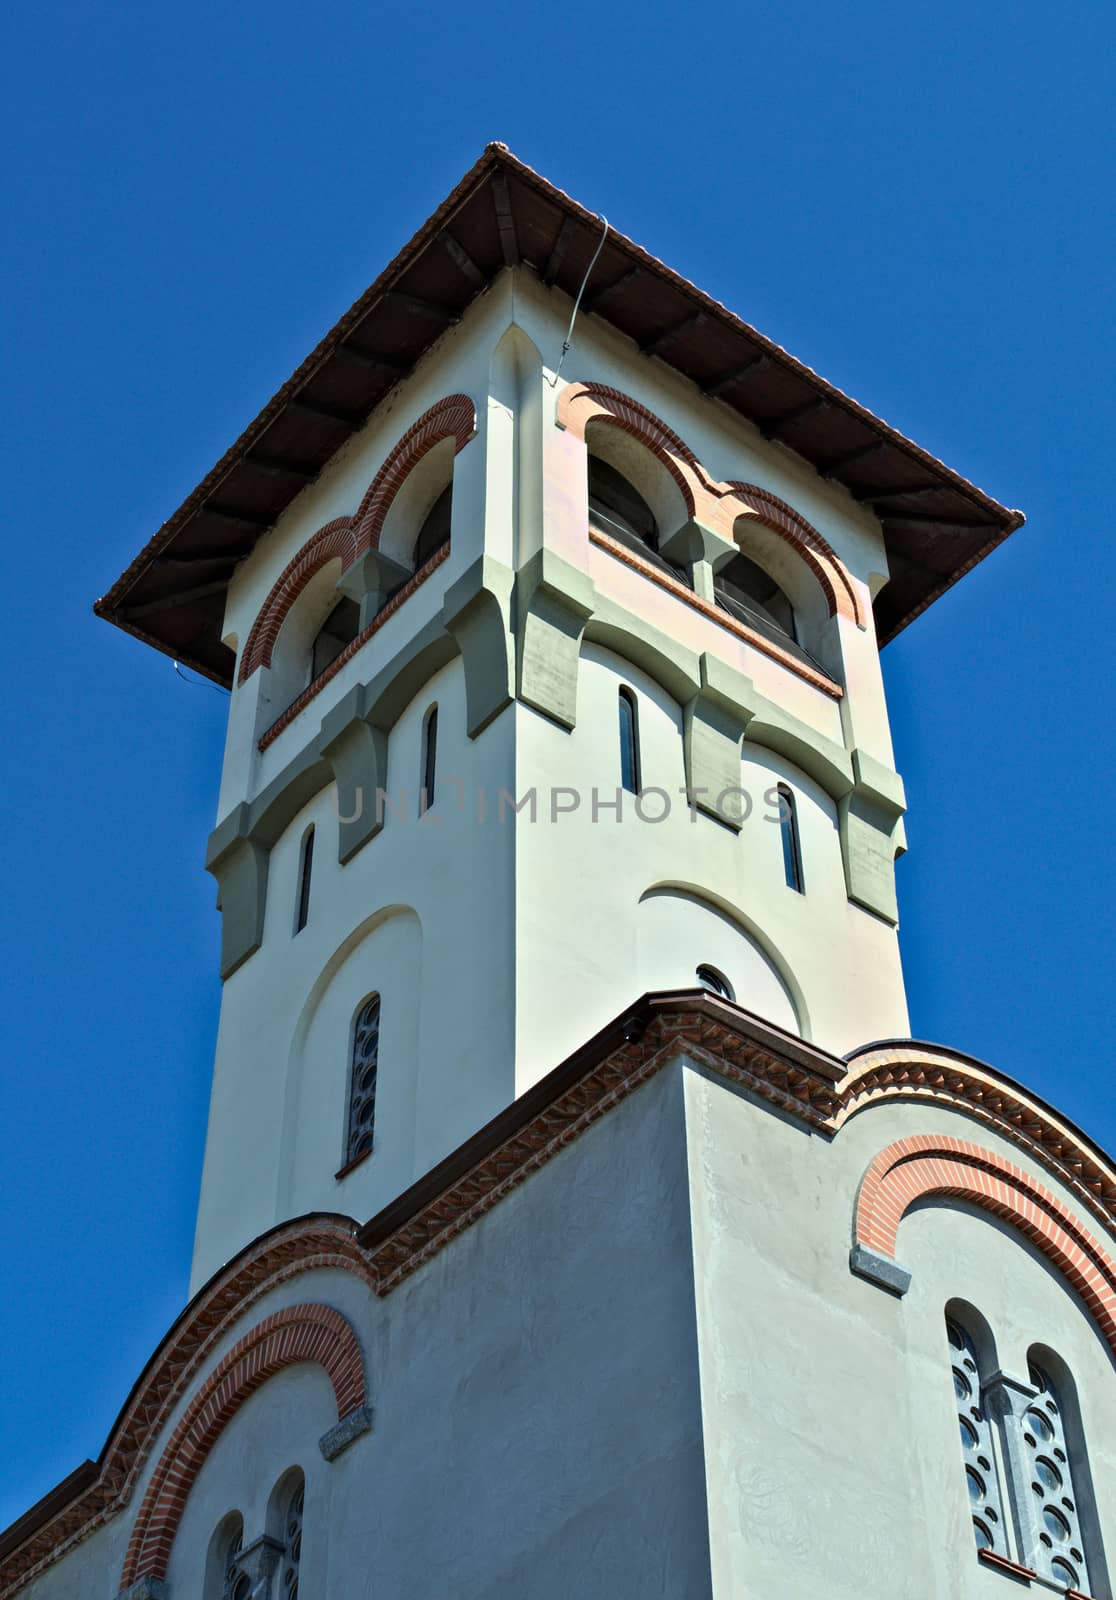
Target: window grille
292,1545
1060,1550
977,1443
362,1086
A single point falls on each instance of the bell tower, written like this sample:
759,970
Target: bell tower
549,688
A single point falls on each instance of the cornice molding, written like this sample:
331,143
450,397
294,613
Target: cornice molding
820,1091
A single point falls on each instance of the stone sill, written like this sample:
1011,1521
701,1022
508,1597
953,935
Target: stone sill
1027,1575
351,1166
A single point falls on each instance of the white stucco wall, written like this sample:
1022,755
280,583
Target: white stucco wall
585,924
423,916
499,945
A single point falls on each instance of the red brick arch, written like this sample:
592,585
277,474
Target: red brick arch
716,504
583,403
330,542
818,554
932,1164
454,418
313,1333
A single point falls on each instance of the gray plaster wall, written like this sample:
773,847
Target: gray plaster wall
537,1427
832,1453
650,1371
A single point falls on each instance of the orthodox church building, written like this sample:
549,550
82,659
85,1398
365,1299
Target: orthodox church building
578,1216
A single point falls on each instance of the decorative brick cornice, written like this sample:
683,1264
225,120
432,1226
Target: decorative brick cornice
755,1063
284,1253
925,1165
454,418
932,1075
717,504
299,1333
817,1090
715,614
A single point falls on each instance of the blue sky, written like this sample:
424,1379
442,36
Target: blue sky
915,200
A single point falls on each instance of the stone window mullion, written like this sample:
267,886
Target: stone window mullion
1006,1401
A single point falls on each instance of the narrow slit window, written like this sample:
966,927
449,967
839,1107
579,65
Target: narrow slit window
305,872
978,1452
429,760
629,742
792,847
361,1128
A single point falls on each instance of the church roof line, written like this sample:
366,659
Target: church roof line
801,1079
502,214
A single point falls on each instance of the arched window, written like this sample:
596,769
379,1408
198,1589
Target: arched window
435,530
305,870
223,1577
746,592
792,847
237,1583
292,1543
339,629
429,760
617,508
629,742
977,1442
1059,1551
362,1081
715,982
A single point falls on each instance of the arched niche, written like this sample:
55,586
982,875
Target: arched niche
299,1369
422,488
642,469
291,669
383,956
815,627
977,1326
680,929
226,1540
